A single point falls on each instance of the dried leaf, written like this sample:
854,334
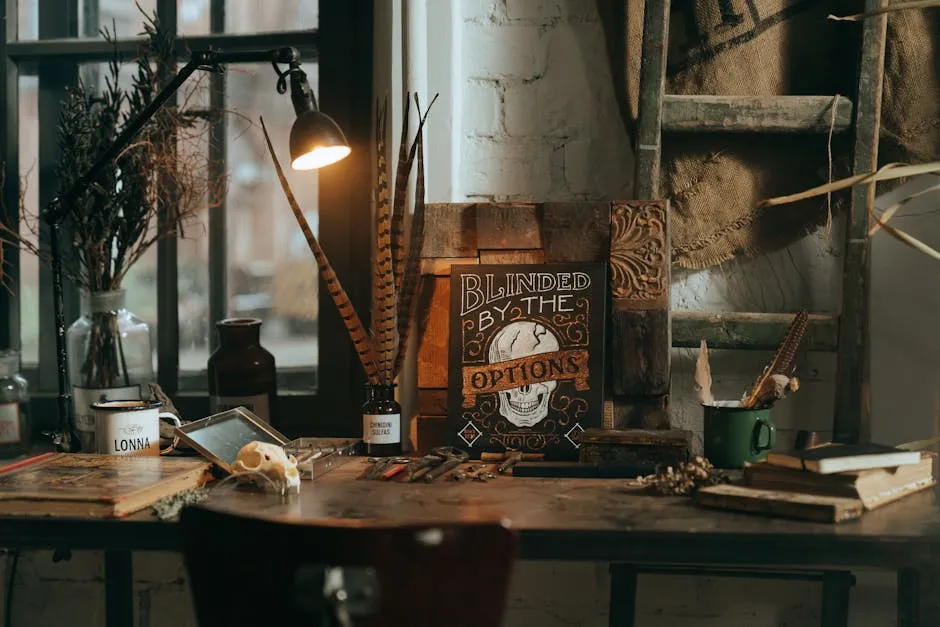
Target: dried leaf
703,376
887,172
897,6
888,213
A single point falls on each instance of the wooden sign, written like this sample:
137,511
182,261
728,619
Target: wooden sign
526,356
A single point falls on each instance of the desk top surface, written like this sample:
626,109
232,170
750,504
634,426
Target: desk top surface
589,519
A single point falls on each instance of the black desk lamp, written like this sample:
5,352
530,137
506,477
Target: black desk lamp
315,141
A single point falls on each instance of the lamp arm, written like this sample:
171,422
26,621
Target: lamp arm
59,207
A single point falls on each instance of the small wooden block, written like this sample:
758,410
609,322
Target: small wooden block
441,266
450,230
640,345
828,509
428,432
512,256
433,336
512,226
641,412
576,231
432,402
636,447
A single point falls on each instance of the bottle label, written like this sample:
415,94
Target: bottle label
257,404
9,423
381,428
82,398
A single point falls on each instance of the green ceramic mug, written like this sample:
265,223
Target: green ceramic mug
735,435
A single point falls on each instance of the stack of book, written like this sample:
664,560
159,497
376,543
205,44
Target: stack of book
828,483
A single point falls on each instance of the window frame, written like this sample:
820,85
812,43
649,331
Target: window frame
342,46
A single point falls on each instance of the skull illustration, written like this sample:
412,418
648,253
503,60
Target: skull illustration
526,405
257,460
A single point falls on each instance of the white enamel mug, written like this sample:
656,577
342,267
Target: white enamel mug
130,427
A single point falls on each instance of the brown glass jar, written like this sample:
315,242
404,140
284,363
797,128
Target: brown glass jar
241,372
381,421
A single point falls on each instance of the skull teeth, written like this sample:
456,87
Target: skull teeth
525,407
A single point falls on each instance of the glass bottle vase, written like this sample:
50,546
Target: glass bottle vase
110,358
242,373
15,426
381,421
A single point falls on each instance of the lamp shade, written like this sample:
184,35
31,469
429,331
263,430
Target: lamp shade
315,141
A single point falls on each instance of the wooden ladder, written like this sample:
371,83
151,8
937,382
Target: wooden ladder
845,334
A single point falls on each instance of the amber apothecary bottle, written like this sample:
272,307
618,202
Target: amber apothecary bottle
241,372
381,421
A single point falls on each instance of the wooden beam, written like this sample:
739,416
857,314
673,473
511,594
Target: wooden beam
652,84
756,114
852,416
450,230
639,326
752,331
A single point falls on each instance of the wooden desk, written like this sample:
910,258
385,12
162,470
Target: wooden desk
558,519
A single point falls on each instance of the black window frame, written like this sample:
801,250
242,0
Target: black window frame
342,46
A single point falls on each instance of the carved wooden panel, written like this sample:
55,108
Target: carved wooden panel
639,255
640,320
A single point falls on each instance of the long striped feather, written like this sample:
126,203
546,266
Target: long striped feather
782,361
357,332
411,282
402,173
384,280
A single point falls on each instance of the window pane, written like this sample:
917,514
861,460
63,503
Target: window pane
246,16
27,26
28,289
120,15
192,253
272,273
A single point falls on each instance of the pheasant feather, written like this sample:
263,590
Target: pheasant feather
402,173
384,281
411,282
347,312
781,363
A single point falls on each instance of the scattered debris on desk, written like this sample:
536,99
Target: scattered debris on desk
686,479
170,507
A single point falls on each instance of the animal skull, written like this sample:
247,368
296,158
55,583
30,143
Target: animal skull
526,405
272,462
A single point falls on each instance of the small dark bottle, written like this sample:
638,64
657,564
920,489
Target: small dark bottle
241,372
381,421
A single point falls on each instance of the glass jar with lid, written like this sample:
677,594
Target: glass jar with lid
15,426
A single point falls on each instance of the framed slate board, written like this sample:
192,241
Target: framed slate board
526,356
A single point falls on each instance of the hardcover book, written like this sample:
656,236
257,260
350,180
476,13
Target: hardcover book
98,486
526,357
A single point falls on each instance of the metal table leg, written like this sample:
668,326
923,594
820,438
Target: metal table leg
622,595
119,588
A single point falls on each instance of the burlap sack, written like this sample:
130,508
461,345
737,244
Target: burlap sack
768,47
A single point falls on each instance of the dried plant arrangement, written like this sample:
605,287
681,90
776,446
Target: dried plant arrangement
684,480
154,189
397,268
